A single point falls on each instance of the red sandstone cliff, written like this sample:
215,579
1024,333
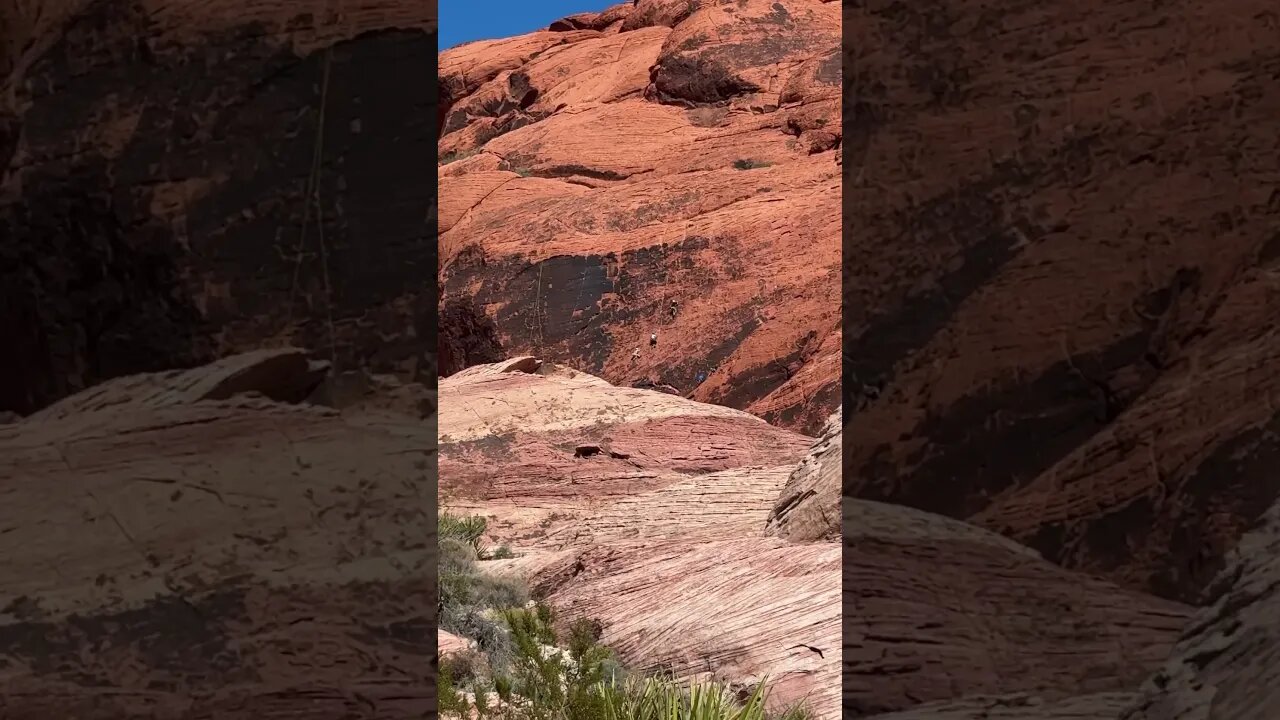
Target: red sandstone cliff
659,152
1063,275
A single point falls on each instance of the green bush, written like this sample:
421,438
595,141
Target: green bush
661,699
465,667
467,528
748,164
458,155
528,677
470,600
449,700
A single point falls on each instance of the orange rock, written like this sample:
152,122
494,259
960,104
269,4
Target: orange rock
591,177
447,643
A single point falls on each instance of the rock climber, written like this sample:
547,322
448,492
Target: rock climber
653,340
635,354
673,308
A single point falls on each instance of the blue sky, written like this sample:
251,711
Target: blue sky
465,20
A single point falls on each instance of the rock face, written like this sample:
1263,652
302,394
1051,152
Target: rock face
647,512
1063,275
936,610
809,507
1226,666
660,516
182,545
466,337
155,163
513,430
661,167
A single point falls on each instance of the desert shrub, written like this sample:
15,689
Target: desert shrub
467,528
502,553
449,700
584,633
748,164
457,155
471,600
658,698
584,682
528,677
465,667
502,688
469,612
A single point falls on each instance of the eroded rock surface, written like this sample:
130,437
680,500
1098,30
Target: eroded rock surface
181,545
661,167
809,506
647,511
513,430
1063,274
1226,666
936,610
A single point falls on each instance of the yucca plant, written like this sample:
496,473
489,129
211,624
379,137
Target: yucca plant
657,698
531,678
467,528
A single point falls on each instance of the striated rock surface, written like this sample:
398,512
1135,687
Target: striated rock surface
1099,706
713,222
525,428
156,161
182,545
1226,666
936,610
809,507
612,517
1063,274
646,511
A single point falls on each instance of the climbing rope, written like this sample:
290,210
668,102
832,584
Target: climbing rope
312,195
537,307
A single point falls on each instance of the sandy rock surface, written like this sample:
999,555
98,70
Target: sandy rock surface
936,610
809,507
447,642
528,429
658,532
723,198
182,546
